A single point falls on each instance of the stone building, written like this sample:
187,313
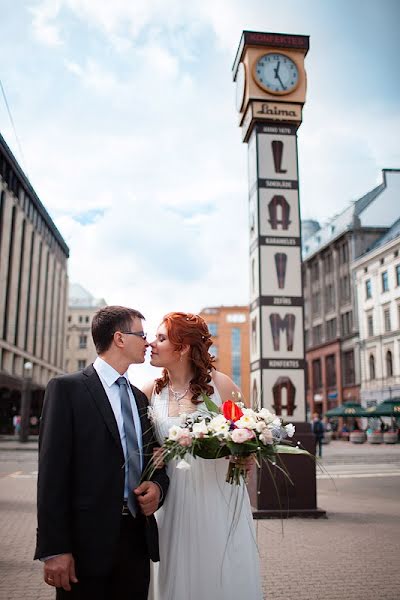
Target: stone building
229,327
377,275
33,288
330,302
79,347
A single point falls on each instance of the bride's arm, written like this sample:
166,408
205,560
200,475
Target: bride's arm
147,389
228,390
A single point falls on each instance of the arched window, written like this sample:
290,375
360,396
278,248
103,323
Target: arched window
371,366
389,364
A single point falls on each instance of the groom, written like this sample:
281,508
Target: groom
96,528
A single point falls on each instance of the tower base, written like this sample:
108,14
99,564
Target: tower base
273,495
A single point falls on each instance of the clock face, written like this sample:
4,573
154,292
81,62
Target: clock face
240,86
276,73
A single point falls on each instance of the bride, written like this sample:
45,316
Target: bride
207,538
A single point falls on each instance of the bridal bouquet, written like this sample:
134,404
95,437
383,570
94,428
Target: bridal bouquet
230,430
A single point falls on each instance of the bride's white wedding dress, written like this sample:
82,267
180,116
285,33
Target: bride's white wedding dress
208,546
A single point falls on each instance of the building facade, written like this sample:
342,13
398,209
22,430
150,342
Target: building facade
377,275
33,290
79,346
330,300
229,327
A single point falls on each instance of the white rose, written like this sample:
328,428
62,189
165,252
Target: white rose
175,433
200,429
267,415
260,426
290,429
266,437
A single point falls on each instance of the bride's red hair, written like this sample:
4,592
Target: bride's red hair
188,329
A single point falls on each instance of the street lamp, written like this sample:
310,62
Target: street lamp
26,402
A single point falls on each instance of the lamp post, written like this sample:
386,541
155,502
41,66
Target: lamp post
26,402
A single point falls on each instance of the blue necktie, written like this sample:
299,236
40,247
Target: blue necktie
132,447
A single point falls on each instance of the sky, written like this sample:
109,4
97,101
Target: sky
126,118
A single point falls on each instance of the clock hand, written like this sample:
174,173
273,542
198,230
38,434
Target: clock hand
277,69
280,81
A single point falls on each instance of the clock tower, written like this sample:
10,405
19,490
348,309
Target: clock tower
271,87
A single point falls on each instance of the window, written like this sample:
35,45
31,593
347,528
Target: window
67,341
316,303
315,271
385,281
81,364
347,322
328,262
371,366
236,355
331,329
330,366
316,372
86,319
317,334
368,289
214,351
306,338
345,288
389,364
348,367
80,318
370,325
343,254
213,329
397,275
386,318
83,341
329,296
69,318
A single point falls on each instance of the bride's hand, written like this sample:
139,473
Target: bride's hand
158,458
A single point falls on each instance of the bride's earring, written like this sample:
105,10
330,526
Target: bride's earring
181,358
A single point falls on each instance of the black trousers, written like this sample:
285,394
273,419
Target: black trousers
318,443
130,575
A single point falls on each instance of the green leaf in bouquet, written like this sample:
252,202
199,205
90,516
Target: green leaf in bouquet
285,449
243,449
209,448
210,405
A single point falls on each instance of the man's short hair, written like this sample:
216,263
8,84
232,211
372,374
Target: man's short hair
107,321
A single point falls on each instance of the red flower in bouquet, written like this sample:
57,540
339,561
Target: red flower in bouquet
231,411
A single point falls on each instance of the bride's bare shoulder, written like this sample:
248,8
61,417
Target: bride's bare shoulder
225,386
147,388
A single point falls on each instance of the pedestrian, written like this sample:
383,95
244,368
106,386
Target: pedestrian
17,424
96,528
318,430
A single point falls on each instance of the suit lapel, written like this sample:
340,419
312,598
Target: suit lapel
100,398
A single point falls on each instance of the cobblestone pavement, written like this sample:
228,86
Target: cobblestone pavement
353,554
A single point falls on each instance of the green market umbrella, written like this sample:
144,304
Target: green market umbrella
348,409
387,408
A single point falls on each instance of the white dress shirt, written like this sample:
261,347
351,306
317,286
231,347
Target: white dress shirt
108,377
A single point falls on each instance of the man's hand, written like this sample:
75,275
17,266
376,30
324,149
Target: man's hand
148,497
59,571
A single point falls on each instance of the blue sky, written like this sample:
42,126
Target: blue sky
125,113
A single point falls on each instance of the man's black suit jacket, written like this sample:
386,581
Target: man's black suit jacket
81,473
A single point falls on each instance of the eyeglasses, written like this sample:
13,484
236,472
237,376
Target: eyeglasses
140,334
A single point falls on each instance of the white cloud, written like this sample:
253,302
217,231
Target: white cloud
44,14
